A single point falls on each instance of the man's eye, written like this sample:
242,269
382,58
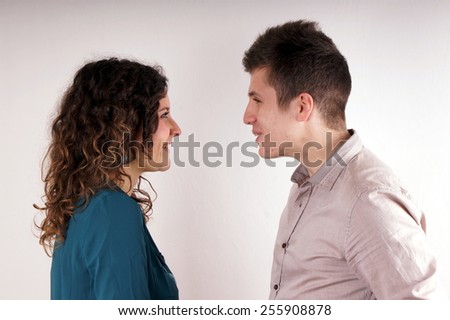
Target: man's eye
257,101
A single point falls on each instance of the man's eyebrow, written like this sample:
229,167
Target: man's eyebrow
253,94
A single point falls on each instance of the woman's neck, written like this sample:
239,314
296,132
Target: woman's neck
130,179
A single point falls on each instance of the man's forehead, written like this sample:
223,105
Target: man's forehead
259,82
259,77
260,74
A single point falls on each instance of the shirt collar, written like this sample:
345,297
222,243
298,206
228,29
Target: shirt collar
327,175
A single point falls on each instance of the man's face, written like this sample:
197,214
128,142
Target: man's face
275,129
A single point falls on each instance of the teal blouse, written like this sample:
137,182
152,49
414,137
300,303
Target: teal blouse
109,253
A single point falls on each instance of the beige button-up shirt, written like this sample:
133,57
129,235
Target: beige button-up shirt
351,232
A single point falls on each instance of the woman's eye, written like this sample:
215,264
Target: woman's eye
165,115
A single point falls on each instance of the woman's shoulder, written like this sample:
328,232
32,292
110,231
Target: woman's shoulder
111,205
113,196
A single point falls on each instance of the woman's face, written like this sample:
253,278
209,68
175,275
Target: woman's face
162,138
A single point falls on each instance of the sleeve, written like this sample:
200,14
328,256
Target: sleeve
386,246
115,251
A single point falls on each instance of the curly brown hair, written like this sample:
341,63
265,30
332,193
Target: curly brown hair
107,100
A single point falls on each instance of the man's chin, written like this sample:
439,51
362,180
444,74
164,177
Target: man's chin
266,154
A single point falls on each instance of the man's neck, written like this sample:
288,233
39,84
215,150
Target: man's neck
323,145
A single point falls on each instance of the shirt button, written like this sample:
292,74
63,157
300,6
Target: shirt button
275,287
284,245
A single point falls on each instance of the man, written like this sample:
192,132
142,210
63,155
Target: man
349,229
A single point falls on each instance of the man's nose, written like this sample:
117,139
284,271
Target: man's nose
249,116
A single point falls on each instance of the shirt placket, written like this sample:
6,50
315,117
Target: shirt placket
294,215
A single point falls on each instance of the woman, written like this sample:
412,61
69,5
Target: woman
113,124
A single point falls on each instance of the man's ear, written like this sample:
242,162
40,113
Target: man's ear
304,106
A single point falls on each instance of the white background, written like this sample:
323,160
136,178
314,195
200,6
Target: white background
216,226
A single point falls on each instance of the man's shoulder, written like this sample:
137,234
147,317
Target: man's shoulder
367,172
